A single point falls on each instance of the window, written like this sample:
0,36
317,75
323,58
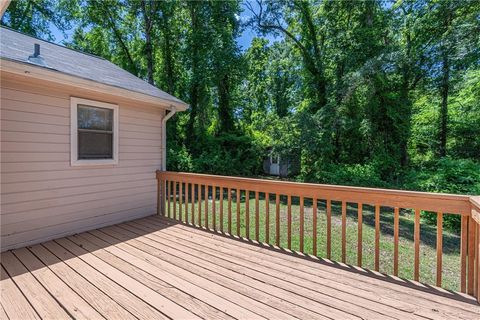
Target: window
94,132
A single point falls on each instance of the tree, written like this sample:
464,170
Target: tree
226,59
34,17
295,20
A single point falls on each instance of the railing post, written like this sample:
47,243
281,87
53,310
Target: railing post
475,221
160,193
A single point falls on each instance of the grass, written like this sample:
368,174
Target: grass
451,241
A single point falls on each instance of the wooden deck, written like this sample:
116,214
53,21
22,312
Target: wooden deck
156,268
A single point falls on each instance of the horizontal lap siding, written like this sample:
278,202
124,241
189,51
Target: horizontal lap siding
42,196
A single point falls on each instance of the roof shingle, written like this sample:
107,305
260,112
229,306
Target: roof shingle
18,47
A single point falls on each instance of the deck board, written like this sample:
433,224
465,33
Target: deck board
288,283
252,258
41,300
123,297
105,305
158,268
455,302
13,301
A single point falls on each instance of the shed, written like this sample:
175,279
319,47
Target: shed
81,140
280,165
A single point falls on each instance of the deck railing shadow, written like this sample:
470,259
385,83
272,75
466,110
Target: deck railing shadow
329,263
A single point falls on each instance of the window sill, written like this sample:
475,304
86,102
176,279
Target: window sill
85,163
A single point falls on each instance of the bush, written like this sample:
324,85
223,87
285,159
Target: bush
179,159
228,154
458,176
364,175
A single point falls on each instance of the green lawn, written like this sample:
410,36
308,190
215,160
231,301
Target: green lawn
451,241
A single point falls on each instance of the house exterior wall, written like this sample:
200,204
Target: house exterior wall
42,196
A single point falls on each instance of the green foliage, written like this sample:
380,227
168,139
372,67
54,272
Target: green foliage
458,176
229,154
179,159
34,17
351,175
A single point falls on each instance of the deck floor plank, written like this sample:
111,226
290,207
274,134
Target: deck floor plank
105,305
153,280
164,305
41,300
321,304
220,277
3,314
123,297
256,260
440,300
230,299
281,282
76,306
158,268
14,302
216,301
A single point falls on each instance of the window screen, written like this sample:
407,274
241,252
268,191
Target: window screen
95,132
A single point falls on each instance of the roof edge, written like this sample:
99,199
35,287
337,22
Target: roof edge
52,75
63,46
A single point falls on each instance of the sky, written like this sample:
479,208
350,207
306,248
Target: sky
243,41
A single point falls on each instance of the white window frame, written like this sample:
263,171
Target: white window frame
74,161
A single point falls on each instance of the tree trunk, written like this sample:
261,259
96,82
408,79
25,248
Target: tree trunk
444,90
148,40
224,112
195,84
169,64
445,83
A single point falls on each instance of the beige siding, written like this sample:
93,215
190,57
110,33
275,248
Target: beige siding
42,196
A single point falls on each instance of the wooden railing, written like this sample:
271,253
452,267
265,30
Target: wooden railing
233,206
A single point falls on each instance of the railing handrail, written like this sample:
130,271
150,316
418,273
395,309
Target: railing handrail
428,201
475,201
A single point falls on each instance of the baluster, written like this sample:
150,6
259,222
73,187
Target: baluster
193,203
377,237
359,236
200,205
477,246
267,217
302,223
257,218
314,239
169,196
160,194
416,274
277,219
439,248
471,256
206,206
344,231
229,196
221,209
238,212
187,186
396,225
247,214
463,254
289,222
180,196
175,200
329,229
214,209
